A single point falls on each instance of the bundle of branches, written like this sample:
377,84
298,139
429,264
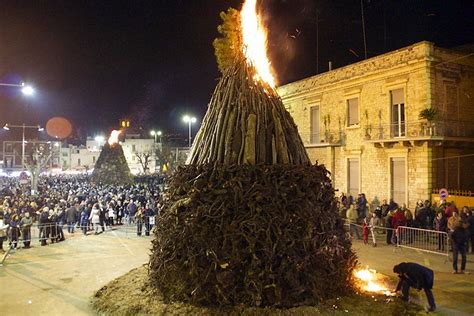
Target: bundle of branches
112,167
265,235
249,220
246,123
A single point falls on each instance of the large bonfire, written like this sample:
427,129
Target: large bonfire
249,220
112,167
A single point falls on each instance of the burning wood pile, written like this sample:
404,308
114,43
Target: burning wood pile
249,220
111,167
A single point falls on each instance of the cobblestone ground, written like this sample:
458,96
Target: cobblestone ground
61,278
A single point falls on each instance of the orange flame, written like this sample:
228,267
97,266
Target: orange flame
254,36
113,139
370,281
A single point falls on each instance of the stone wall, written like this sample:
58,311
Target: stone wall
411,68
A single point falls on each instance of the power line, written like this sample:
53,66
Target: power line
451,157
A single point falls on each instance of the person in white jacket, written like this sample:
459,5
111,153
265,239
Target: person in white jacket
95,218
3,232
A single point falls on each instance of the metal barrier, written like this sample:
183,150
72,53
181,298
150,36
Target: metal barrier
377,234
426,240
53,232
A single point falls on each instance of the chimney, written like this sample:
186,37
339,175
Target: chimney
330,65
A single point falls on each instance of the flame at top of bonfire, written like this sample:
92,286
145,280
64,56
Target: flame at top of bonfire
254,36
113,139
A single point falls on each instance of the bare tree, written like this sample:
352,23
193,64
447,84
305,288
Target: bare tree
35,164
144,158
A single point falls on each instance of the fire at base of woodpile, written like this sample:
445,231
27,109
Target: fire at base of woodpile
264,235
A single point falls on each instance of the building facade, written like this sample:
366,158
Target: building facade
362,121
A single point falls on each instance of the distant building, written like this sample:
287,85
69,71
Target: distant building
362,121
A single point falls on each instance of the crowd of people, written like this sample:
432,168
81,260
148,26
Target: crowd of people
75,204
457,225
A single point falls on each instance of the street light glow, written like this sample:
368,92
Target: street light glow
99,138
27,90
153,133
159,133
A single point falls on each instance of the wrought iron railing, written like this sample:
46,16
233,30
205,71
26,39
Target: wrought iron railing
328,137
419,129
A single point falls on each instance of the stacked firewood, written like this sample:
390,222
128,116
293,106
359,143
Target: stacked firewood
246,123
111,167
249,220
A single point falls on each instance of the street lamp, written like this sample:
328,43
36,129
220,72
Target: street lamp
155,134
23,141
25,89
190,120
99,139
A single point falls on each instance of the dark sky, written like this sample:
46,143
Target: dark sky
97,61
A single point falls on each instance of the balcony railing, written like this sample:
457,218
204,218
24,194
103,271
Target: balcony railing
326,138
420,130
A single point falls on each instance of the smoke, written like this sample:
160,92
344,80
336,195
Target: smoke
290,25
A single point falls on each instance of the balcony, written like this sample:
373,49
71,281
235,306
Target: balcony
326,139
417,132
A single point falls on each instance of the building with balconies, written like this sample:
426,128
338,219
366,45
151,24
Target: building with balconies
362,121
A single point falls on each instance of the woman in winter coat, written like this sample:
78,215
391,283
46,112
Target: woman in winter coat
14,230
95,218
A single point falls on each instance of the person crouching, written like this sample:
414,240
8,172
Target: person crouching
416,276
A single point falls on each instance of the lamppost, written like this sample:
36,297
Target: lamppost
26,90
155,134
23,142
190,120
99,139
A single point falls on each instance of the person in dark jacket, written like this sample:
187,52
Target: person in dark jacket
470,220
25,225
14,230
440,224
459,237
388,225
416,276
43,226
71,218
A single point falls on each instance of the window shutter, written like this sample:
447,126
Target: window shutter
353,111
397,96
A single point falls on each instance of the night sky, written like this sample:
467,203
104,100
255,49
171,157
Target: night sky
97,61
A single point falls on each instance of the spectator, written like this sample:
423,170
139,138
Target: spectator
470,221
453,222
441,225
14,231
3,232
95,218
459,237
389,227
353,217
25,225
71,218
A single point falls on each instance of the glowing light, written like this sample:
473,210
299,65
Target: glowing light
254,36
369,280
113,139
27,90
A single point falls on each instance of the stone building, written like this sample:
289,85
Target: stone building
362,121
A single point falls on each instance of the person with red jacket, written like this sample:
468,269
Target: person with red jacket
398,219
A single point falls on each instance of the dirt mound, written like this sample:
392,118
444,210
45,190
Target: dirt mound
130,294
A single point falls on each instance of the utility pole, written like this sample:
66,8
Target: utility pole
363,27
